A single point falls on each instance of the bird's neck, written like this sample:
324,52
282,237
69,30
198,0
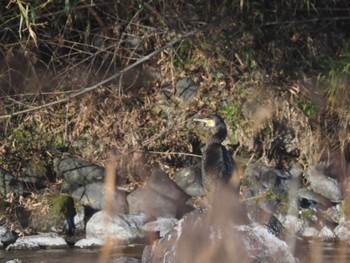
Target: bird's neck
217,137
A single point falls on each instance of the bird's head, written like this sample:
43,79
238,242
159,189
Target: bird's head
215,122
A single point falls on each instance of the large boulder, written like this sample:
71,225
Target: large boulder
7,236
76,173
162,225
199,238
121,228
322,184
160,197
41,241
35,175
186,90
266,192
93,195
8,183
190,180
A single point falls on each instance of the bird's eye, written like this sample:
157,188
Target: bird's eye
210,123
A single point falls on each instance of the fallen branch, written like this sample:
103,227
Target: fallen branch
138,62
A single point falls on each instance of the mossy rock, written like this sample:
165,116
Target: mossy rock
53,212
63,205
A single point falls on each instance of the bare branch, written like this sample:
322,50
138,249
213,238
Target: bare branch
138,62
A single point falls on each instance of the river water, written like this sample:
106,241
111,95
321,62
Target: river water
308,252
71,255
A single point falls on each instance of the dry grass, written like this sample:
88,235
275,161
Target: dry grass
246,70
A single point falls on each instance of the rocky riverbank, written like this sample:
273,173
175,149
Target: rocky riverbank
62,204
162,214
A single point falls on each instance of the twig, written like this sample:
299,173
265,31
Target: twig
311,20
176,153
136,63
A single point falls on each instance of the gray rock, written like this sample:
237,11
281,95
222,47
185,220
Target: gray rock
186,90
323,185
263,188
326,234
3,230
8,183
160,197
77,173
342,231
295,170
294,224
197,232
89,243
41,241
35,175
14,261
123,228
334,214
8,237
309,232
79,219
126,260
162,225
312,196
85,145
93,195
190,180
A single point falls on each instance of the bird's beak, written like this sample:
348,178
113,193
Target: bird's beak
208,122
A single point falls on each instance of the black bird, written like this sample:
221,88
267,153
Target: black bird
218,165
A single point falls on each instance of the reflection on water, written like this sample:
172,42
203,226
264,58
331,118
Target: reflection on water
67,255
52,256
320,252
314,252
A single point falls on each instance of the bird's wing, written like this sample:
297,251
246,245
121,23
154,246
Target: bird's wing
230,165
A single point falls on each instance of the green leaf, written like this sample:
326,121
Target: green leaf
67,7
32,13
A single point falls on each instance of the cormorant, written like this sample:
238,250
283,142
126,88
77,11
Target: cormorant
218,165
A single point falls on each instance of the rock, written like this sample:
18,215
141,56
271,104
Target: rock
160,197
77,173
64,205
326,234
162,225
89,243
197,232
126,260
122,228
334,214
342,231
93,195
79,219
186,90
309,232
312,196
14,261
35,175
294,224
295,170
190,180
265,191
41,241
8,237
323,185
58,217
86,145
8,184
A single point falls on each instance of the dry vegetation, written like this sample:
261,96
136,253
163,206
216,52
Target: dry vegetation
272,69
